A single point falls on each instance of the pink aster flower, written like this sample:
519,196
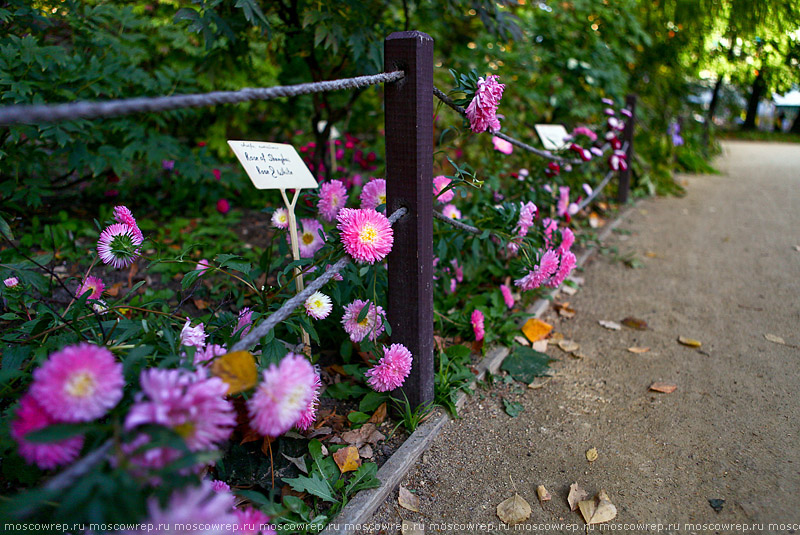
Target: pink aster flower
597,151
202,266
30,416
189,403
332,198
280,218
201,510
336,276
220,486
501,145
451,211
371,325
193,336
245,321
459,271
477,324
91,284
482,110
507,297
568,262
550,226
609,112
78,383
587,188
615,124
527,212
553,169
318,305
567,239
367,235
119,245
283,394
204,356
585,154
123,215
573,209
309,241
618,161
607,101
540,274
563,201
309,414
11,282
626,112
373,194
439,184
223,206
251,521
391,370
583,131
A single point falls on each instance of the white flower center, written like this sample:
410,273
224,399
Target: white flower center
80,385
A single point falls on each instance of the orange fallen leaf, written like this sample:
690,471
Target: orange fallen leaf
535,329
635,323
200,303
237,369
347,459
114,290
664,388
636,349
379,415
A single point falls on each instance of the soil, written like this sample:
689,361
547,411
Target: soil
722,266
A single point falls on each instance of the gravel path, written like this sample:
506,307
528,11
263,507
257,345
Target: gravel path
721,266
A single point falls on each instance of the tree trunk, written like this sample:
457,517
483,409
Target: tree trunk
795,129
712,109
759,88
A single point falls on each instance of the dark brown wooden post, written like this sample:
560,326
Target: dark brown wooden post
627,136
409,184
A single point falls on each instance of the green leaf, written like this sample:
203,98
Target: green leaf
357,417
458,352
296,505
363,313
313,485
345,391
526,364
57,432
190,278
513,408
372,401
363,478
254,496
5,229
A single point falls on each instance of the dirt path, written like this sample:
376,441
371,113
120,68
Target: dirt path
719,266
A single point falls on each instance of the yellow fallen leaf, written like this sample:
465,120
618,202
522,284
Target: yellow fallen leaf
540,346
775,339
650,254
576,494
535,329
689,342
598,510
636,349
543,494
591,455
237,369
514,510
664,388
347,459
407,500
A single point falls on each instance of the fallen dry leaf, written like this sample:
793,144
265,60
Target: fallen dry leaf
595,221
521,340
543,495
535,329
540,346
365,451
299,462
664,388
379,415
591,455
635,323
514,510
566,312
576,494
237,369
797,247
689,342
650,254
636,349
568,346
407,500
366,434
199,303
569,290
598,510
114,290
555,337
347,459
611,325
775,339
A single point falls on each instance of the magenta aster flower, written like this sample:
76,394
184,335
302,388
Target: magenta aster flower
618,160
563,201
199,509
280,218
553,169
309,240
626,112
251,521
223,206
204,356
507,297
220,486
78,383
119,245
367,235
282,396
482,111
373,194
501,145
371,325
585,154
568,262
391,370
583,131
91,284
123,215
202,266
193,336
451,211
30,416
538,276
245,321
318,305
309,414
332,198
439,184
477,324
459,271
550,226
11,282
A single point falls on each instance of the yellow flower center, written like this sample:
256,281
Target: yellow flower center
185,430
364,322
367,234
382,199
308,238
317,304
80,385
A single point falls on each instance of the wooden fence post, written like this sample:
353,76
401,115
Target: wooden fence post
627,136
409,184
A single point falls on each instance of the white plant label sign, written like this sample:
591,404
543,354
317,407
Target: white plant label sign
552,135
273,165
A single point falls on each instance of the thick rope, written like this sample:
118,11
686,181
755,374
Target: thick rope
457,224
27,114
295,301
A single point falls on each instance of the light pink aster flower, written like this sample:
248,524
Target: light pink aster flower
550,226
540,274
371,325
527,211
11,282
309,414
451,211
220,486
507,297
245,321
119,245
607,101
459,271
618,160
563,201
91,284
30,416
282,395
439,183
336,276
200,510
609,112
501,145
309,240
568,262
318,305
477,324
280,218
597,151
204,356
587,189
391,370
373,194
573,209
626,112
252,522
367,235
482,110
202,266
78,383
193,336
583,131
615,124
123,215
332,198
